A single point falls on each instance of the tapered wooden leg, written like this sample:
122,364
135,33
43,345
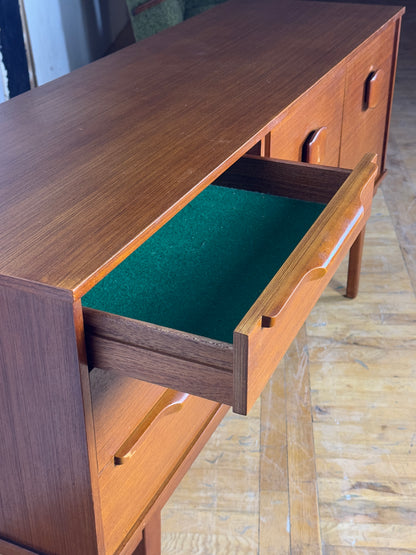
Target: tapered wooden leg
354,266
151,542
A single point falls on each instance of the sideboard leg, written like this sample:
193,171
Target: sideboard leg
354,266
151,542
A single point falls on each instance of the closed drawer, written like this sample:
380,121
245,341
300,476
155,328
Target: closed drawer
211,302
367,98
144,433
119,405
310,129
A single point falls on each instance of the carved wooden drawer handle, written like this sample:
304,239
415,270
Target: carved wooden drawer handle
373,89
312,274
313,150
318,254
170,402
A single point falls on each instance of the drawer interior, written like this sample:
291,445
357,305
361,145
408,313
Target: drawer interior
210,303
202,271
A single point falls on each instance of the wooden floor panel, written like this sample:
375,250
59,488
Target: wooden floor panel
363,383
253,488
361,357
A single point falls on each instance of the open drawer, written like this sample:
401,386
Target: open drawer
210,303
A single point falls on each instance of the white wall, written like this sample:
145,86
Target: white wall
66,34
4,91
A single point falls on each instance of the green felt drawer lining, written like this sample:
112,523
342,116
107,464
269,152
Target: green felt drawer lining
202,271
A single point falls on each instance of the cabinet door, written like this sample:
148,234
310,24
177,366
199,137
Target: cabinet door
367,99
310,129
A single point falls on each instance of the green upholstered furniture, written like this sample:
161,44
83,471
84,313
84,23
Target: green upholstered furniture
148,17
202,270
194,7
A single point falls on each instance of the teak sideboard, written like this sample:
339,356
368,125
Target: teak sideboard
102,413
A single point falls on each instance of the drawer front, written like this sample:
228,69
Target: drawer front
367,98
310,130
148,459
119,403
263,336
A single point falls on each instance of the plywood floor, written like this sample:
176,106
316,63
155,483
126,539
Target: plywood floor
253,488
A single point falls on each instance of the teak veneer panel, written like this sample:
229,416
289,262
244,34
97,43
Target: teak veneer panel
128,489
47,456
287,179
169,486
320,107
119,403
372,121
7,548
89,169
163,356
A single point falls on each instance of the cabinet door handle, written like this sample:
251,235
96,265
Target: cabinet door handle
373,89
170,402
313,150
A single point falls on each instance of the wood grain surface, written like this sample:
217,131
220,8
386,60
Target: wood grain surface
162,356
288,179
370,120
151,542
119,404
320,108
268,328
354,267
126,491
253,488
45,482
92,166
133,538
8,548
152,337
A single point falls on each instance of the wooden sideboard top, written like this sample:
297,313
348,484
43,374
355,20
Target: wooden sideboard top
94,162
